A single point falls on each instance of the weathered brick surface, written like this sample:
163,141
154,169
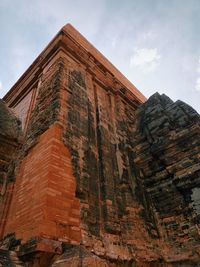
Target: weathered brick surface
97,132
10,125
167,147
9,258
21,109
10,133
44,181
101,180
47,105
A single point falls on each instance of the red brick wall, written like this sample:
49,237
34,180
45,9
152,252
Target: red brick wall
74,180
44,202
22,108
44,196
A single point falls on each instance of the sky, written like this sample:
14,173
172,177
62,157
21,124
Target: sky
154,43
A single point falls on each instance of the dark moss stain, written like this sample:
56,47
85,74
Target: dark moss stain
10,140
10,125
165,133
47,105
80,137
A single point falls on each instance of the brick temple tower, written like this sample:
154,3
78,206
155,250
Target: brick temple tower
90,175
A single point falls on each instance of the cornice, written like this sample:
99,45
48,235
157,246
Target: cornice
69,39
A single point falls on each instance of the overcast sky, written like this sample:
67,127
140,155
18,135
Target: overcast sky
154,43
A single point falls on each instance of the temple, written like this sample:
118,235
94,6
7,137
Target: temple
91,172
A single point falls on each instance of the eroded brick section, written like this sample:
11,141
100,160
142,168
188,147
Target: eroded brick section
47,105
98,133
80,137
10,132
10,125
21,109
167,149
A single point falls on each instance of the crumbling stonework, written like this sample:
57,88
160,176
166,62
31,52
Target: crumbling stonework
100,177
10,133
10,136
167,147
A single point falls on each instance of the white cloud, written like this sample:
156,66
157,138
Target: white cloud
145,58
61,12
0,84
197,87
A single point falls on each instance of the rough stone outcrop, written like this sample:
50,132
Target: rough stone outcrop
9,124
100,176
167,149
10,133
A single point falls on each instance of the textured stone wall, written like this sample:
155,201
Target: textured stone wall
167,150
10,133
75,181
98,127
